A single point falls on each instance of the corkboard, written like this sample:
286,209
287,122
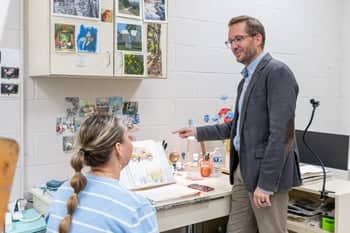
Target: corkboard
8,160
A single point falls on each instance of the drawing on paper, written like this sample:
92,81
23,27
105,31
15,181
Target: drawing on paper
155,10
133,64
64,38
77,8
87,39
129,37
129,8
154,52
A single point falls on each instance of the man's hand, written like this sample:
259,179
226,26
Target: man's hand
185,132
261,199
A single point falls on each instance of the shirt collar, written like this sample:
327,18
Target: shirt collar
252,66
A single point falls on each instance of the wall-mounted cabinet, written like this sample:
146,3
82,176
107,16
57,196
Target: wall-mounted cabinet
94,38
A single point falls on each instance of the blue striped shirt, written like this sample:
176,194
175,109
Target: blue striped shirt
104,206
247,74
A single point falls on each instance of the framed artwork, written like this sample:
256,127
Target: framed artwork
9,89
102,105
155,10
9,72
86,108
129,8
86,9
64,38
115,104
129,36
68,143
133,64
72,106
130,108
154,50
87,38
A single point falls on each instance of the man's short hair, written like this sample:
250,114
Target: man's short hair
253,26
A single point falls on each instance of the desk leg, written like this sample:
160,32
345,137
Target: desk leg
191,228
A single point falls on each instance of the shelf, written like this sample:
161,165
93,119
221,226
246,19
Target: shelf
301,227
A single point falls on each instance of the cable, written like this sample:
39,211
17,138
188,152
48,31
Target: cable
315,104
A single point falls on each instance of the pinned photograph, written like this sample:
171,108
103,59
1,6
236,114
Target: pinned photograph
130,121
154,52
155,10
61,125
88,9
76,123
115,104
129,8
64,38
102,105
9,89
68,143
133,64
87,39
107,15
130,108
72,106
86,109
9,72
129,37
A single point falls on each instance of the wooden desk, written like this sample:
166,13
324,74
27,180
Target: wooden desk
188,211
217,203
180,212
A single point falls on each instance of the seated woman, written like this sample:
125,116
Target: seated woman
96,201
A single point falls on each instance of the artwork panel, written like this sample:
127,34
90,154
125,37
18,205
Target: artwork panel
86,9
87,39
65,38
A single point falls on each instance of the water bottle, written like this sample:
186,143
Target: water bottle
217,160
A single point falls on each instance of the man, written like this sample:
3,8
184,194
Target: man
263,158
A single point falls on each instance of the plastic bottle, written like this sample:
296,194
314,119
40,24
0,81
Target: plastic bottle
217,160
195,160
191,144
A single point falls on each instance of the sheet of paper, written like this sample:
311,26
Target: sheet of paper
148,166
168,192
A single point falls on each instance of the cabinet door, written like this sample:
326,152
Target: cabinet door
88,58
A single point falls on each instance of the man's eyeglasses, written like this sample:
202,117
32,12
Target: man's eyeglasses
237,40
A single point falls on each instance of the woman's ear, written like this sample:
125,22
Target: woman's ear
117,148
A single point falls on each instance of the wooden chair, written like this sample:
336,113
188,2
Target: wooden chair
8,159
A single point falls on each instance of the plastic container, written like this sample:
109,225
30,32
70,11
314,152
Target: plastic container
205,168
217,160
327,223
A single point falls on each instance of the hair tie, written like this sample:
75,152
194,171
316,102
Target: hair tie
83,152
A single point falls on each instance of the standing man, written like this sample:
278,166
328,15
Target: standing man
264,164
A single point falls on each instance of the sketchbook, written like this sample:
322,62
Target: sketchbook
168,193
148,167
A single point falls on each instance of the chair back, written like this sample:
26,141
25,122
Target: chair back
8,159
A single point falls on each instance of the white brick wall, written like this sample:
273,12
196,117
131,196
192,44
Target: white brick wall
310,36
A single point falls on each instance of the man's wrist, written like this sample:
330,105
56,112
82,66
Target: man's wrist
266,191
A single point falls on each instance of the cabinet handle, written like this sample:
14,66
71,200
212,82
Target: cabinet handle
108,58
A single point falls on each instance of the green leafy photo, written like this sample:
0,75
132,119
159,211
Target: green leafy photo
133,64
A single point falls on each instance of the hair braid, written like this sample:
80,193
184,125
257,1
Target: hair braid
78,183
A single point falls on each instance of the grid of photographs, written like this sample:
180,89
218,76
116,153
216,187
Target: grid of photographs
77,109
140,33
83,37
139,42
10,72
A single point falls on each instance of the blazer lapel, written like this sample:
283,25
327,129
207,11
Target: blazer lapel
234,123
250,87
